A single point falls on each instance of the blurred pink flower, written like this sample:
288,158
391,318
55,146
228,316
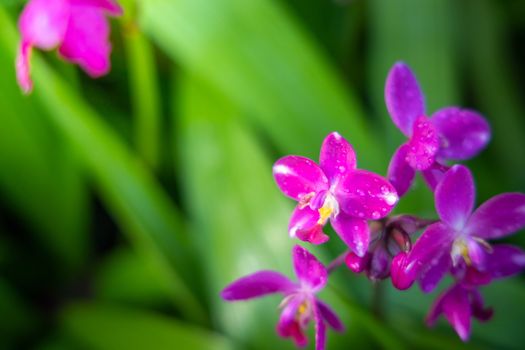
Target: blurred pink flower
78,27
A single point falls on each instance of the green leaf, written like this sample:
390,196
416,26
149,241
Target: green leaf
17,319
495,86
135,199
240,215
127,277
40,176
259,57
101,326
144,92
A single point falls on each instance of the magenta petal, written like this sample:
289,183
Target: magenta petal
356,263
43,23
310,272
423,145
407,267
455,305
353,231
400,173
320,330
110,6
455,196
434,174
288,325
464,133
337,157
23,67
256,285
435,273
86,41
478,309
330,316
400,278
505,260
304,226
477,254
366,195
298,176
404,99
499,216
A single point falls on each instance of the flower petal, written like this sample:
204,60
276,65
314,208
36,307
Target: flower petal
337,157
256,285
499,216
504,261
456,307
330,316
404,99
304,225
423,145
407,267
308,269
320,330
110,6
86,41
455,304
366,195
434,174
356,263
455,196
298,176
353,231
434,273
43,23
400,173
478,309
464,133
288,326
23,67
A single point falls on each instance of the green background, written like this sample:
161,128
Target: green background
128,202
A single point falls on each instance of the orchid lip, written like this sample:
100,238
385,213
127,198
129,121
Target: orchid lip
460,249
329,209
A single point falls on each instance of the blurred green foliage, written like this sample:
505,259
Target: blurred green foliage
128,202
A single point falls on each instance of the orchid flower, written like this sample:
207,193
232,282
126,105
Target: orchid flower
300,304
334,190
78,27
459,239
450,134
463,301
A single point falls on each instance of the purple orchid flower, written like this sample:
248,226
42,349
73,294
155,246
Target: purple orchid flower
463,301
389,238
78,27
334,190
450,134
459,239
300,305
459,304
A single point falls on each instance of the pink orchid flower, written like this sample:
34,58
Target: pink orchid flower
78,27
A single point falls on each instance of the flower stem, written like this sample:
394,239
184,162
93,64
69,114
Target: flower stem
337,262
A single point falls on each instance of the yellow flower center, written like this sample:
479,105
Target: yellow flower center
330,206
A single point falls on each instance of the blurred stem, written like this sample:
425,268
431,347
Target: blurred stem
337,262
383,334
144,93
377,299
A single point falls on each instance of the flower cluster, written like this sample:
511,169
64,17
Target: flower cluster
357,203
